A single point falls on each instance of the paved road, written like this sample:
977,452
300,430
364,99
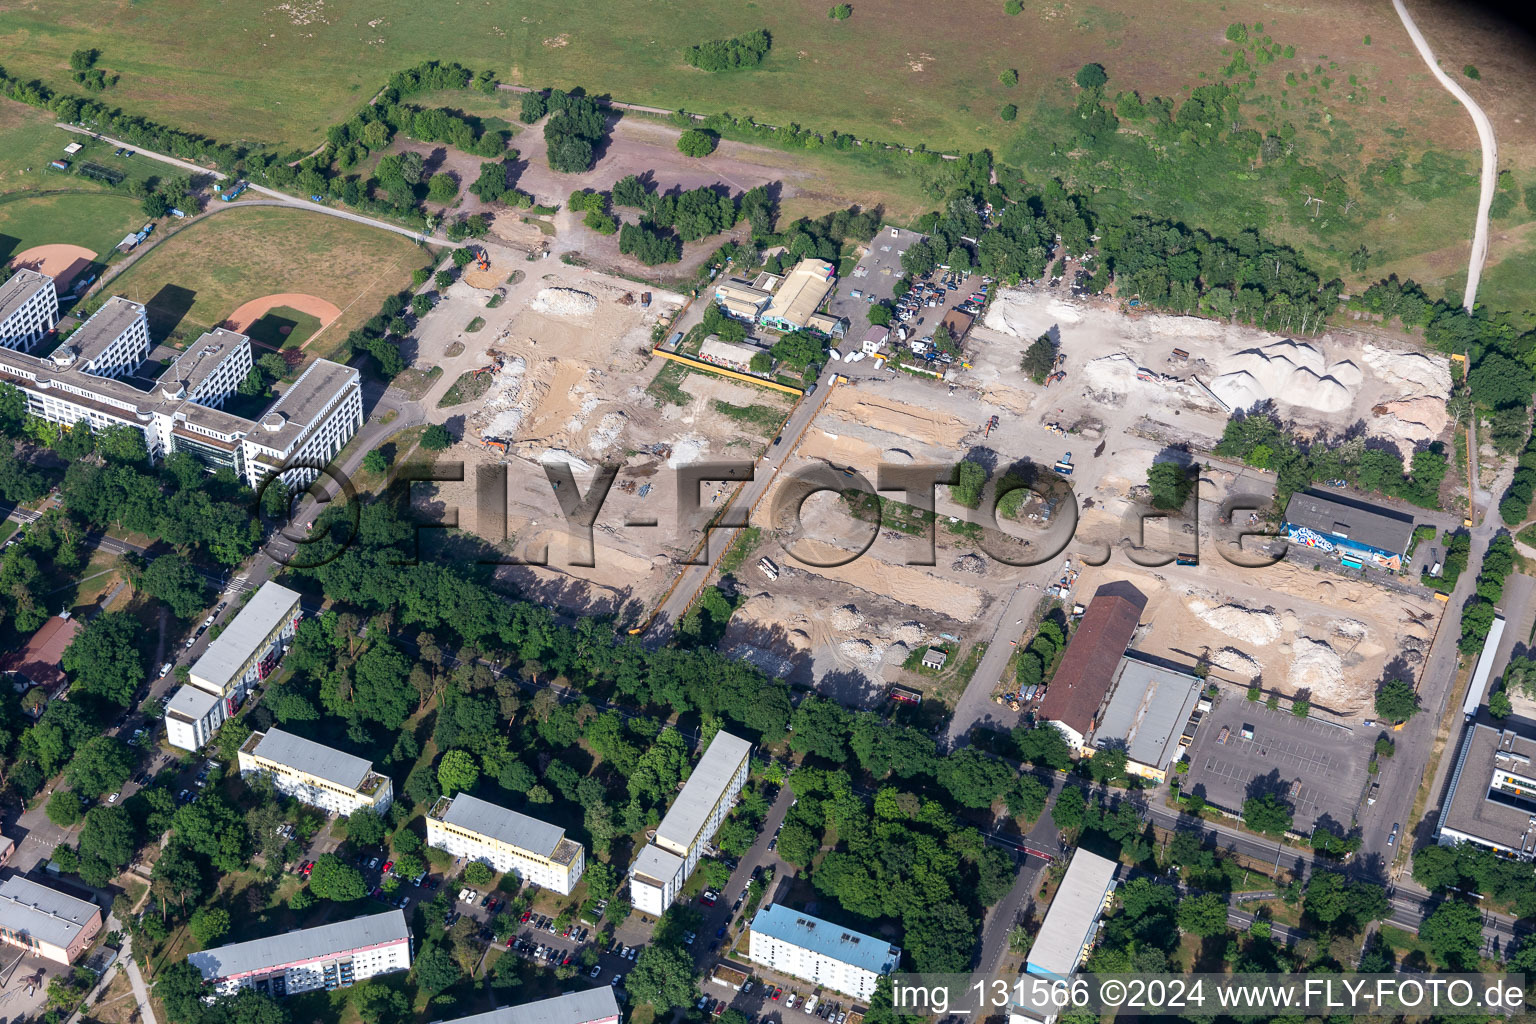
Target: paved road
283,197
975,706
1485,139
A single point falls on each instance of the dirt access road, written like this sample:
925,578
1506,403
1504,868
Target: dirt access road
1484,137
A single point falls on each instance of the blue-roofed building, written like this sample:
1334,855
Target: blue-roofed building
820,952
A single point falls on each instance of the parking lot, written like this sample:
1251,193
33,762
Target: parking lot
1316,766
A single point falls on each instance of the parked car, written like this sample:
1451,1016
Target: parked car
632,952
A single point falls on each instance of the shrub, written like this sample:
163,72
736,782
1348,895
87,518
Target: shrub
1013,7
1010,78
730,54
696,143
1009,112
840,13
1471,72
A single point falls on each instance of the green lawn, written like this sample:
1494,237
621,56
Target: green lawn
283,327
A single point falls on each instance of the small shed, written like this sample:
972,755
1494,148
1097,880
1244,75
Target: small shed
935,658
73,148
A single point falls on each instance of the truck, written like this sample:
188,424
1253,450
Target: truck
1064,465
1226,731
769,569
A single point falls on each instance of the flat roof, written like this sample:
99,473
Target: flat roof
105,326
1082,679
703,789
1073,914
510,827
18,289
328,763
225,658
201,358
32,908
1473,809
305,399
1147,709
802,292
258,955
656,865
727,351
191,704
1479,684
583,1007
38,659
1335,514
831,940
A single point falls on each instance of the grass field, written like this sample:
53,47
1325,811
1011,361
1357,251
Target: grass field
197,277
96,220
283,327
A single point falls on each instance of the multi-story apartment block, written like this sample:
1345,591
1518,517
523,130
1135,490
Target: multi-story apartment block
330,956
314,774
584,1006
88,378
695,816
820,952
46,922
29,309
248,648
467,826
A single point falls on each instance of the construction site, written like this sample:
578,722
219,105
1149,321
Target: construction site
1134,391
562,372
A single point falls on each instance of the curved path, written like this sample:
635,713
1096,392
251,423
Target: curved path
1490,154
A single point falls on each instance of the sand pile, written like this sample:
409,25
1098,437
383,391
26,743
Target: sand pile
687,449
1115,372
502,400
847,618
908,634
1418,373
606,434
1236,662
555,456
1411,420
1315,666
1349,629
861,652
1246,624
563,302
1289,373
799,639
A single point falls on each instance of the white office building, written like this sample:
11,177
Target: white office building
476,829
330,956
314,774
90,377
820,952
29,309
1067,933
587,1006
662,867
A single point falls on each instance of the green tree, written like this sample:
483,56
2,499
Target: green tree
1454,934
1396,701
1091,76
970,482
1009,77
457,772
436,438
840,12
208,925
64,808
1267,813
172,579
533,107
1008,112
1204,915
101,765
365,828
375,462
104,660
443,280
1170,484
1070,809
107,842
333,879
436,970
478,874
696,143
664,977
442,188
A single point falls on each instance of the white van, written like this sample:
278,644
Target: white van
835,354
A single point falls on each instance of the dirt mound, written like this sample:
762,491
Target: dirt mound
563,302
1315,667
970,562
1289,373
1236,662
847,618
909,634
1247,624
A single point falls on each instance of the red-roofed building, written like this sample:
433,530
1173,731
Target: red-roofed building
37,663
1082,680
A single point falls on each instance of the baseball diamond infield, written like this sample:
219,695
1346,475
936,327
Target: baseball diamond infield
61,262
